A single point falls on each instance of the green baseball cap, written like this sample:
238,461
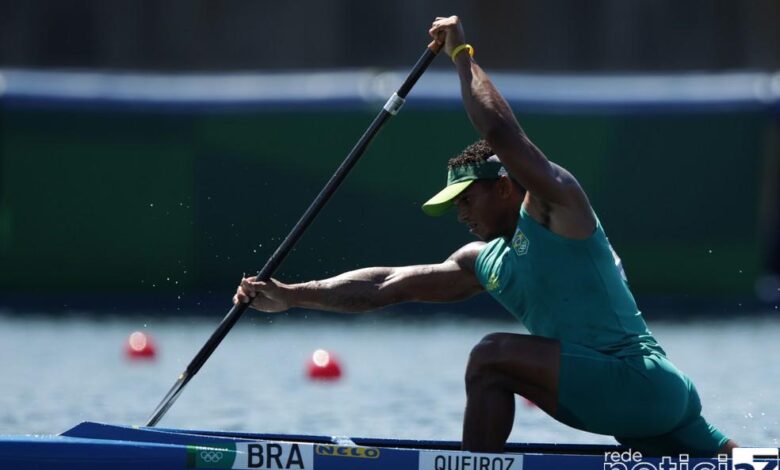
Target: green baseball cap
458,179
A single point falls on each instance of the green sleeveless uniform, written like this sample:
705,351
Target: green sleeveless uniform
614,377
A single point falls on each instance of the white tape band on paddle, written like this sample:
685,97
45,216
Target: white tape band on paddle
394,104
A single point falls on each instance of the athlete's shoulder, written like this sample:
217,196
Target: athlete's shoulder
572,194
571,217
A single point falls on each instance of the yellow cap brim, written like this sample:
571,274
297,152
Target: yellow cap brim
442,201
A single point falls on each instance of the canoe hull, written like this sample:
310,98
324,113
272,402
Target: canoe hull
100,446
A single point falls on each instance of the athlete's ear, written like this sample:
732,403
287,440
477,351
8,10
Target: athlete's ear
504,187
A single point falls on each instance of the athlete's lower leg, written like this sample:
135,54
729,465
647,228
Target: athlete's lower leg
489,415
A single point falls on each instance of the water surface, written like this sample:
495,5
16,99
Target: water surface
403,377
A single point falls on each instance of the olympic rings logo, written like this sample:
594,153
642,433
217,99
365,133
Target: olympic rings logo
211,456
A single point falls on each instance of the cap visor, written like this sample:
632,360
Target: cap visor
442,201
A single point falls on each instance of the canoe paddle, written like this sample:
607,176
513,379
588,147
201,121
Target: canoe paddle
390,109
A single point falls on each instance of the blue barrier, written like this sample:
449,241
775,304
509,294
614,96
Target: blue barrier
569,94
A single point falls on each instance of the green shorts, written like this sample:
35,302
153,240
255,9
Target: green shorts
644,401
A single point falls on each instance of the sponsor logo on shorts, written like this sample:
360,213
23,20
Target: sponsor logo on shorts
468,461
347,451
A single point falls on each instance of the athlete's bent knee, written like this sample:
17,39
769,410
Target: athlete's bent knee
482,356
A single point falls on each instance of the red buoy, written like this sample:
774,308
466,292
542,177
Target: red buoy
140,346
323,366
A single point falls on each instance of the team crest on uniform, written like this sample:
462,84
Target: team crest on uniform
520,243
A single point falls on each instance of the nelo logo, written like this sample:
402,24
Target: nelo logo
347,451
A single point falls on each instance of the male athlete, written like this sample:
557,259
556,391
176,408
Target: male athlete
590,361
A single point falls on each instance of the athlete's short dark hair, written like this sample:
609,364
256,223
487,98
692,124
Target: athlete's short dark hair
477,152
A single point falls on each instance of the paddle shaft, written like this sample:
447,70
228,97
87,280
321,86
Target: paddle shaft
391,108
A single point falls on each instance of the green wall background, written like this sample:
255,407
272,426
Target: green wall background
141,201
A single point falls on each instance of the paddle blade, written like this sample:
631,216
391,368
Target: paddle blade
168,400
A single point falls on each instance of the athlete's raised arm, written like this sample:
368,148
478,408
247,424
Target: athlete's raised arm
371,288
550,187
